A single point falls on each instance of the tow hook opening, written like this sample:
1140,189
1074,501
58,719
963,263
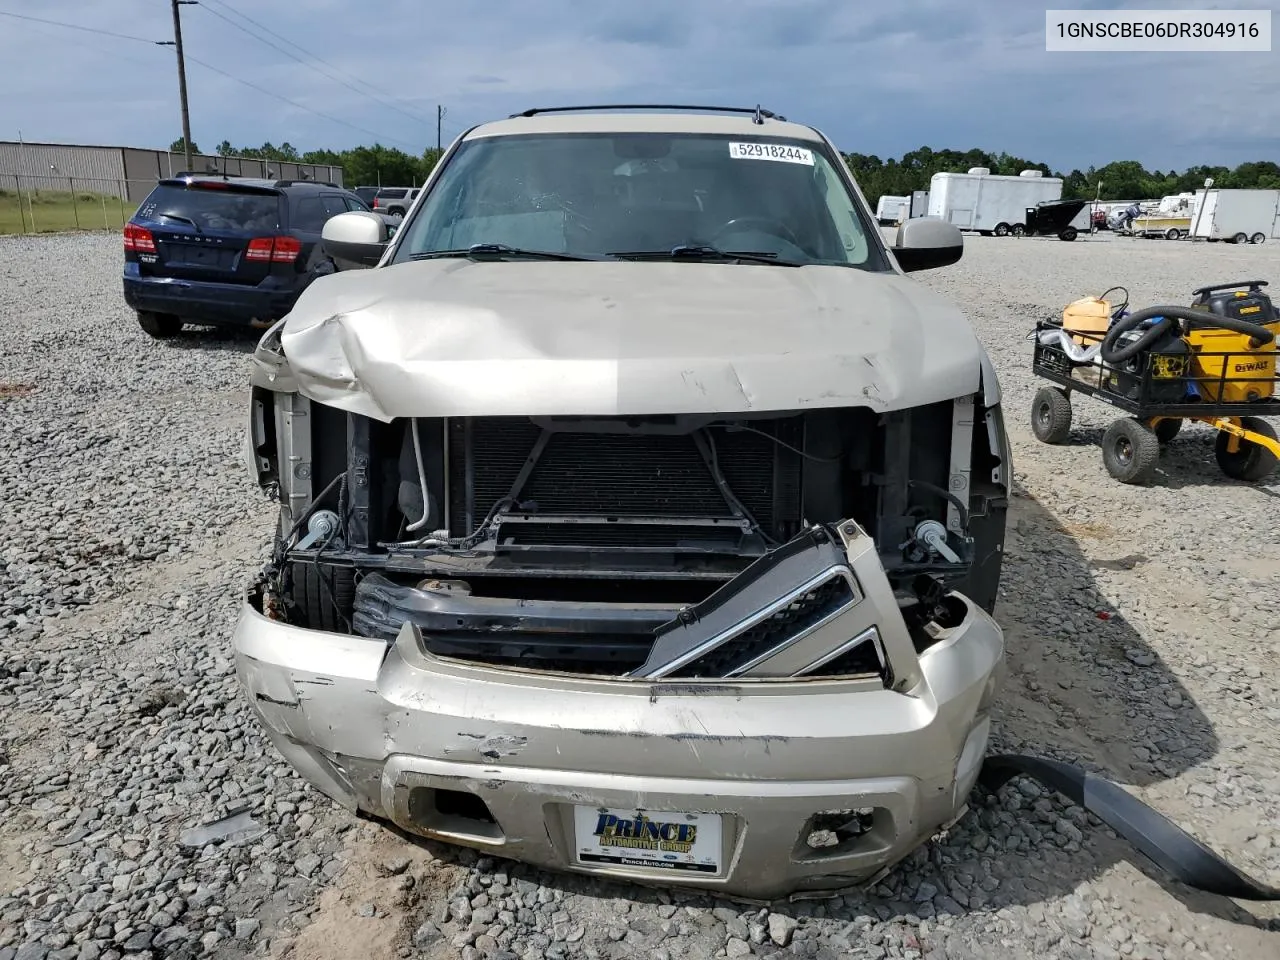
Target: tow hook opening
455,813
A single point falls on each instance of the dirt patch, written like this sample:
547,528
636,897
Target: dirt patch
371,909
14,867
1088,531
15,389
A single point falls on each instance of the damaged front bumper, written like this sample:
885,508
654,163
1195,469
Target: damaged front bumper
752,785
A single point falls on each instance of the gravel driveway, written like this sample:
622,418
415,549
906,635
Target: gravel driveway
1143,627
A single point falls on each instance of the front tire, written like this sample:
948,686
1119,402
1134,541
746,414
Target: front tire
1171,234
1018,229
1002,230
1258,237
1070,233
1051,415
1251,461
1240,238
159,326
1130,451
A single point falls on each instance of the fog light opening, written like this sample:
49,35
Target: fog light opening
836,832
453,813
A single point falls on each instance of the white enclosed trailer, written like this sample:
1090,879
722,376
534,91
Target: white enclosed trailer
978,201
890,209
1238,216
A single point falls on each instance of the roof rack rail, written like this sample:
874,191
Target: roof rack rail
206,173
759,114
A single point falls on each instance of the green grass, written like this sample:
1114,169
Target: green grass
51,211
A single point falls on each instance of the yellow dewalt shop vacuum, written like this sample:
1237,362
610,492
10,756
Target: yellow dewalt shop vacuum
1214,361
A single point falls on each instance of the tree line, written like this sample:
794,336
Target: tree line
361,166
1118,180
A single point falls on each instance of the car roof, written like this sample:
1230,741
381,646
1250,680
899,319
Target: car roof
261,183
592,121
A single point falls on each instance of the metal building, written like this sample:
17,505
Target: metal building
128,172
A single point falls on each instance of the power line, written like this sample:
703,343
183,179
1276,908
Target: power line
369,91
292,56
294,103
208,66
97,49
72,26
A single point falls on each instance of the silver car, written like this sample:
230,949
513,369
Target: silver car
638,515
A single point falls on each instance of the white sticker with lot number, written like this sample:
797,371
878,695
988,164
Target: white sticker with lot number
771,151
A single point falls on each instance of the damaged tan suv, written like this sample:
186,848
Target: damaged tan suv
638,515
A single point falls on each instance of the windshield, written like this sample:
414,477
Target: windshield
606,195
208,208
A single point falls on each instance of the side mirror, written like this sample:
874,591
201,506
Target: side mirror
355,239
927,242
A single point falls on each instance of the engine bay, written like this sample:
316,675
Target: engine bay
570,543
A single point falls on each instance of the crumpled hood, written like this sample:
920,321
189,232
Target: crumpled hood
446,338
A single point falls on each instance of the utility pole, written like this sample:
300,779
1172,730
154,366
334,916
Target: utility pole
440,112
182,78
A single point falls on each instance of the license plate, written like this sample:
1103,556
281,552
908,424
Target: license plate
190,255
686,842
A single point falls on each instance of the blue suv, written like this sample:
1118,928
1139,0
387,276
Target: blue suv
227,251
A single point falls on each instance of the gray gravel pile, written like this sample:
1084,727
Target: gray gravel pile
128,531
142,815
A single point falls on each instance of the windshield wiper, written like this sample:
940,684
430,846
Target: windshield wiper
174,216
707,252
498,251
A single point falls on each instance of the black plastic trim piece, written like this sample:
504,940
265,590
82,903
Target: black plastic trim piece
1163,842
758,112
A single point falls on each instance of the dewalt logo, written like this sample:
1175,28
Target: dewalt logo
1256,366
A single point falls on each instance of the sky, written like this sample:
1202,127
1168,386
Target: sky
877,77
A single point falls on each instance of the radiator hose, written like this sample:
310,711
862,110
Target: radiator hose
422,480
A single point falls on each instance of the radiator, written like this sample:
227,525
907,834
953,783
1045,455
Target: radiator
619,478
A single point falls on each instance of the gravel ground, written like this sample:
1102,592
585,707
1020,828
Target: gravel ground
1143,626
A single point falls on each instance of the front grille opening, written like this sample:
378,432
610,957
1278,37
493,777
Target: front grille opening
801,614
674,537
609,655
453,813
619,589
834,833
862,660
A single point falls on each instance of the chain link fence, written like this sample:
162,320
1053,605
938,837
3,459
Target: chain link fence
52,204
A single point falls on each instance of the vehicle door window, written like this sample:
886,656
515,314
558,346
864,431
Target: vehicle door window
354,203
310,215
334,204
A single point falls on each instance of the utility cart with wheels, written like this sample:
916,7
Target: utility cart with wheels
1214,361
